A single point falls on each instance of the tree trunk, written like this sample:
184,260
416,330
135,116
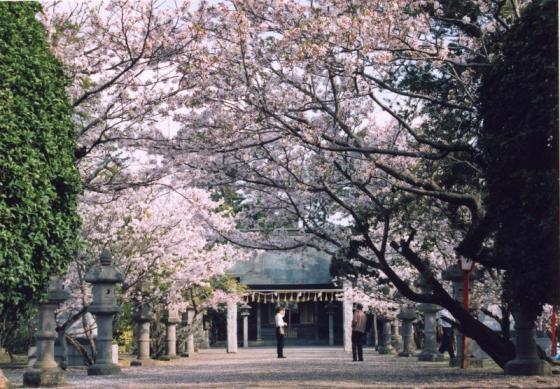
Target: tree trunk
501,350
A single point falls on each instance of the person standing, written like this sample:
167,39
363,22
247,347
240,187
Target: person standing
358,333
447,335
280,332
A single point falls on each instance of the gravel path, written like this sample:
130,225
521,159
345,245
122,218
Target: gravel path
309,367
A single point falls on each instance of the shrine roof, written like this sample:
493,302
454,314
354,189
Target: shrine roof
305,268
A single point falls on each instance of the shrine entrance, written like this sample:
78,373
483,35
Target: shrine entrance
317,312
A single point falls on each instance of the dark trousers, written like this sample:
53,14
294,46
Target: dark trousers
279,342
358,345
447,342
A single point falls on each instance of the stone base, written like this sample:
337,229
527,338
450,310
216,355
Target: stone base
44,377
430,357
168,357
405,354
396,342
386,350
143,362
184,355
476,363
527,367
105,369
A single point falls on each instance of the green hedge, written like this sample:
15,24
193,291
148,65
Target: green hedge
39,182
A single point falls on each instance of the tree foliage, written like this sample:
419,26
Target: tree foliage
39,182
520,148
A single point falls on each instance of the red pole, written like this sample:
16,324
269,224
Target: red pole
465,362
553,332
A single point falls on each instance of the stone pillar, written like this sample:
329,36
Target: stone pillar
206,331
375,334
407,316
190,333
104,278
231,327
182,346
347,319
331,309
245,313
396,340
385,347
171,318
259,335
142,318
45,371
527,361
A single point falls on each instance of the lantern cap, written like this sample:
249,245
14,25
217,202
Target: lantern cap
105,257
466,264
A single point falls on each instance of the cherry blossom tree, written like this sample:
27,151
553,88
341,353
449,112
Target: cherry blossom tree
157,235
128,62
359,120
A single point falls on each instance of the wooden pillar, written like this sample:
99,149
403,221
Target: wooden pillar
347,319
316,318
259,335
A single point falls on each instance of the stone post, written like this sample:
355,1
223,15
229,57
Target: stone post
375,333
245,313
527,361
385,346
407,316
396,339
231,327
259,334
171,319
429,352
190,333
347,319
331,309
206,324
45,371
183,340
104,278
142,318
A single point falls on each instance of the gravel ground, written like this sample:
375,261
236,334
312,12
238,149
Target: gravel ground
309,367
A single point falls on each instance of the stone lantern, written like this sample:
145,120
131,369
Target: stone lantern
171,319
45,371
407,316
429,352
142,317
245,312
104,277
386,347
331,310
454,274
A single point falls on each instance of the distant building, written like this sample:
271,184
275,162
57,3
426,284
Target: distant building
301,281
